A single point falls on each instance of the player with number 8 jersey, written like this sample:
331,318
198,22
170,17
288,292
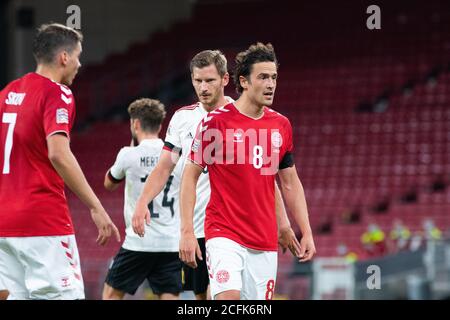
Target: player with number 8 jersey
252,147
244,145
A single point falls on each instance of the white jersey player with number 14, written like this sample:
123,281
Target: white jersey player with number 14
135,164
154,256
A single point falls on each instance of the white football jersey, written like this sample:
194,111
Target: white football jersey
180,134
2,286
134,164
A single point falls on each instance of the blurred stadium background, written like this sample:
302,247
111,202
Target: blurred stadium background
370,111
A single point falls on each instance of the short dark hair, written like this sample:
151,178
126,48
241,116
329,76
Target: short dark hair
245,60
52,37
150,113
208,57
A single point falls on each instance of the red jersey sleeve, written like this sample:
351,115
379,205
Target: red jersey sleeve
203,147
287,156
59,111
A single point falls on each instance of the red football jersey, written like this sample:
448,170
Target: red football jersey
32,199
243,155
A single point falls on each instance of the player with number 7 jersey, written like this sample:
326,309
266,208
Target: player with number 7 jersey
38,251
33,202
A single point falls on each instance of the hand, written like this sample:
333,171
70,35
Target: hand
189,248
288,240
105,226
307,248
141,215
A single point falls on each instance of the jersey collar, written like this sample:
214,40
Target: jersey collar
227,98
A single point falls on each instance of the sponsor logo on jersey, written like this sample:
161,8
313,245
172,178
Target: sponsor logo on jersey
62,116
15,99
238,137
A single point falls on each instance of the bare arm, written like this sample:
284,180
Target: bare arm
153,186
188,243
67,166
109,184
282,218
295,200
286,236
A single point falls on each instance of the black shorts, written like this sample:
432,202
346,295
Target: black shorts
197,279
130,268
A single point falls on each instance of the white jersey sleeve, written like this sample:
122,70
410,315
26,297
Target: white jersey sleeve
2,285
118,170
173,141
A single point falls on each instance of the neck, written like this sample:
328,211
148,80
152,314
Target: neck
247,107
220,103
145,135
48,72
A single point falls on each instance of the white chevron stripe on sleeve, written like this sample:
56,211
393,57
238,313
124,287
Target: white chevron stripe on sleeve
65,99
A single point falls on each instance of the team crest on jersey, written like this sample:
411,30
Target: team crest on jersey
62,116
222,276
277,139
65,282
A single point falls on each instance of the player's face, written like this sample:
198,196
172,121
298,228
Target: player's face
262,84
208,84
72,65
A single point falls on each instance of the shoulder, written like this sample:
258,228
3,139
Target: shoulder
125,152
59,91
12,84
149,147
187,108
16,83
276,116
183,115
219,114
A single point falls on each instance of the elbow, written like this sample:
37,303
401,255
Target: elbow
109,182
56,157
108,186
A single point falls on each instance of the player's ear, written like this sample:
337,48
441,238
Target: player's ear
244,82
63,57
136,124
225,79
